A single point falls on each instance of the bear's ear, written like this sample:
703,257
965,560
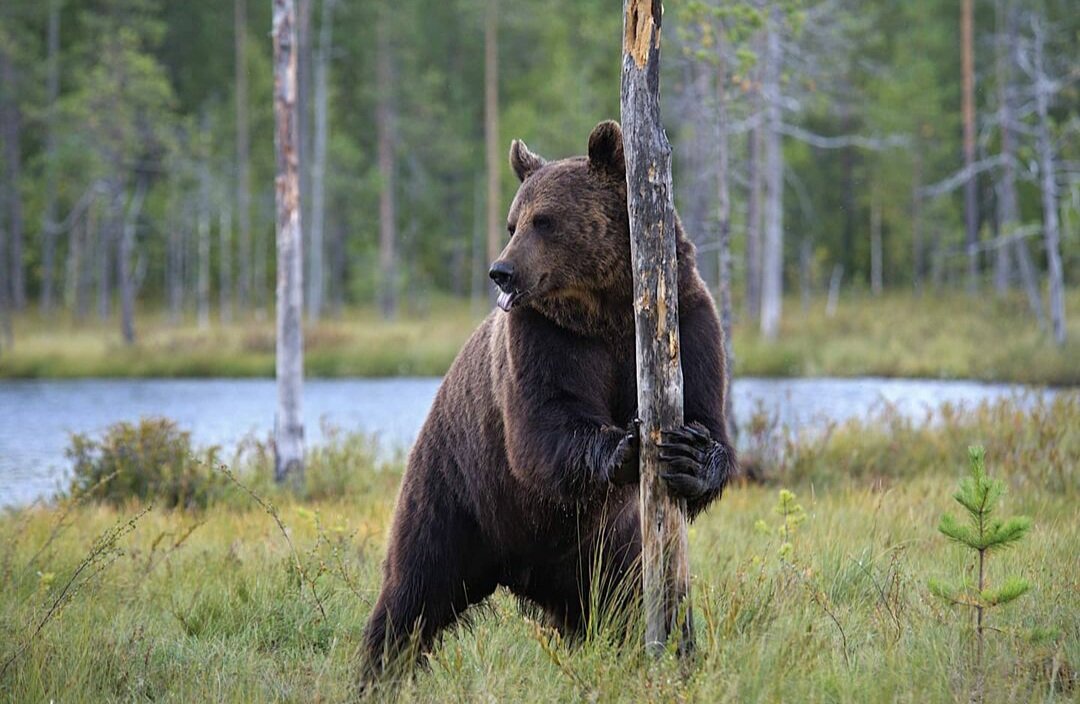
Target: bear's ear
522,161
606,149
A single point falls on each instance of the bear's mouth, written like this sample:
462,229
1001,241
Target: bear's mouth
507,299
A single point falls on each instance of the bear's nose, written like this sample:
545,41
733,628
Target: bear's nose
502,273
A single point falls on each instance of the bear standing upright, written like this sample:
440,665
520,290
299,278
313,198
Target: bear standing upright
526,466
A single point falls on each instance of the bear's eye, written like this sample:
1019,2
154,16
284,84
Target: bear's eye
543,222
510,227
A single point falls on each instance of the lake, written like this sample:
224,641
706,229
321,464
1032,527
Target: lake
37,417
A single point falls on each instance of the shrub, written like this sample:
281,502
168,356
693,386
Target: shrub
152,460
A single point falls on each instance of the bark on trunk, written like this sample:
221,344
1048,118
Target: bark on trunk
491,132
772,284
1048,184
48,218
243,152
968,109
289,424
316,278
384,118
665,559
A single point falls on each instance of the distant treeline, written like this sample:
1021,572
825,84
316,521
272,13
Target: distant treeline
826,136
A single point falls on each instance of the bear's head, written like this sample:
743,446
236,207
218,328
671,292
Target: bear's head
569,248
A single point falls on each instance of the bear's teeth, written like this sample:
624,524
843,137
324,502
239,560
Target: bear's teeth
505,300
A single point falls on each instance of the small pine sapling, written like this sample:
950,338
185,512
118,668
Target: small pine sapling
979,494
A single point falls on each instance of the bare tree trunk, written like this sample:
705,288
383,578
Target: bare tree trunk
243,151
303,113
491,130
664,550
384,118
1051,232
127,247
104,241
971,216
772,285
723,197
316,278
753,223
175,263
1006,195
834,290
225,283
12,134
875,244
289,424
48,218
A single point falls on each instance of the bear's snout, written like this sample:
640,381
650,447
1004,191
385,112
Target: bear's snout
502,273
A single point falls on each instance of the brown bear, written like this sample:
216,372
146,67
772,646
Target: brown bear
525,471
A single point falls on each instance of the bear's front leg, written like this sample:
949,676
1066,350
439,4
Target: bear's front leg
696,466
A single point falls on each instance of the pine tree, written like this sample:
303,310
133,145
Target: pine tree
979,494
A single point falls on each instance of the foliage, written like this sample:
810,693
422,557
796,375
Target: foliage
152,460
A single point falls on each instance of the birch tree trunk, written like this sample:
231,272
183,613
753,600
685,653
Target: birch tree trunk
289,424
243,161
48,216
1006,211
316,278
491,131
971,215
772,274
665,559
1048,185
384,118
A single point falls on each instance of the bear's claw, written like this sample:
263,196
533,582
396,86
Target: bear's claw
694,463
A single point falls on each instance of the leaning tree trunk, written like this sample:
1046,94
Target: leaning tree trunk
289,425
664,549
772,270
1051,231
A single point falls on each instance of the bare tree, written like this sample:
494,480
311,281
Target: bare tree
491,129
385,127
664,549
316,278
1045,88
971,216
243,152
289,424
772,256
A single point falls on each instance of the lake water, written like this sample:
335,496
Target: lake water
37,417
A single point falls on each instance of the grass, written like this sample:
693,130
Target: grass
219,605
898,335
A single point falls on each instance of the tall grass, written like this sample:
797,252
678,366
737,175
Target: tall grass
223,604
898,335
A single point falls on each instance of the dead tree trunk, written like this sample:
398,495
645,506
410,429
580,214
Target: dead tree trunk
316,278
971,216
289,424
48,217
491,130
1048,185
243,152
384,119
772,256
665,558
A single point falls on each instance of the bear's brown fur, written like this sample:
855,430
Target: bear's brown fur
526,465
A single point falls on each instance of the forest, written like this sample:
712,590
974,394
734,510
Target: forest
869,147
